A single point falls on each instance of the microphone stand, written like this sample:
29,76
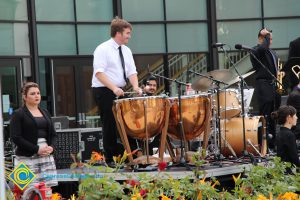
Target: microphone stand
243,83
218,153
183,154
274,84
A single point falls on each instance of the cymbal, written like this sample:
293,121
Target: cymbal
237,79
204,84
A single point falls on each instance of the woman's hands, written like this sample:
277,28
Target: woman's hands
45,150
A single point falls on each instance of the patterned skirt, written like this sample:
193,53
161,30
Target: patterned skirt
42,166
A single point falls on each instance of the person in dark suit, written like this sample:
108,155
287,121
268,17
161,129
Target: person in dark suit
294,100
294,51
265,86
286,141
294,97
33,133
294,48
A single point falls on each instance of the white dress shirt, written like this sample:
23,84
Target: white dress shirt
107,60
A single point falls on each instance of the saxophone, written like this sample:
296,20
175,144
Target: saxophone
296,72
280,89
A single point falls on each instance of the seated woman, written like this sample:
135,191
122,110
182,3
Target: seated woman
33,133
285,139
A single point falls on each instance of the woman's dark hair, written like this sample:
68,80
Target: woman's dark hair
282,113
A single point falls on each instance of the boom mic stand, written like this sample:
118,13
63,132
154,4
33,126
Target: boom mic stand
270,73
243,83
218,153
183,154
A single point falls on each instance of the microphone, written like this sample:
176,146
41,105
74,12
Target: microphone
239,46
216,45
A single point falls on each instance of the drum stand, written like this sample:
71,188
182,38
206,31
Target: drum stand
217,124
242,83
183,153
122,131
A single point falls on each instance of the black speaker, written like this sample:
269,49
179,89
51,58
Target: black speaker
73,141
90,140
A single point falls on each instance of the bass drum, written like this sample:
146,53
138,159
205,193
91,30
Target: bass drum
232,136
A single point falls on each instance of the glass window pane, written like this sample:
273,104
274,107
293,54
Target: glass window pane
243,32
284,31
186,10
190,37
54,10
147,39
90,36
94,10
56,39
14,39
13,10
142,10
275,8
228,9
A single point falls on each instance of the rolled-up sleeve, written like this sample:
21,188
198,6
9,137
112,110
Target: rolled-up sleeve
99,63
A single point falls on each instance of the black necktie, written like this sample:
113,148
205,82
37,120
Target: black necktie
122,62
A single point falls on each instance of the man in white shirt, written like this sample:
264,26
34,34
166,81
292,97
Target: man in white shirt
113,65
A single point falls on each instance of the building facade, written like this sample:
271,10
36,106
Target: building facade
52,43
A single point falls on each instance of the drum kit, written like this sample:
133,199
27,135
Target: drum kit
213,113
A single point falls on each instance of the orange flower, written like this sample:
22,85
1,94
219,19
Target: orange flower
96,157
202,181
216,183
163,197
199,197
290,196
261,197
56,196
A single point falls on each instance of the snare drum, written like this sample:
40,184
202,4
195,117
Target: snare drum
195,110
140,113
232,133
230,104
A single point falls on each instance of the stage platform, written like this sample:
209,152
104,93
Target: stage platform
69,179
211,170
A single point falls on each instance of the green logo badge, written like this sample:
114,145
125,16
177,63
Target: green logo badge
22,176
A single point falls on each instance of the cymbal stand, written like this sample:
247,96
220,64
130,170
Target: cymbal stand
183,153
217,124
242,84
